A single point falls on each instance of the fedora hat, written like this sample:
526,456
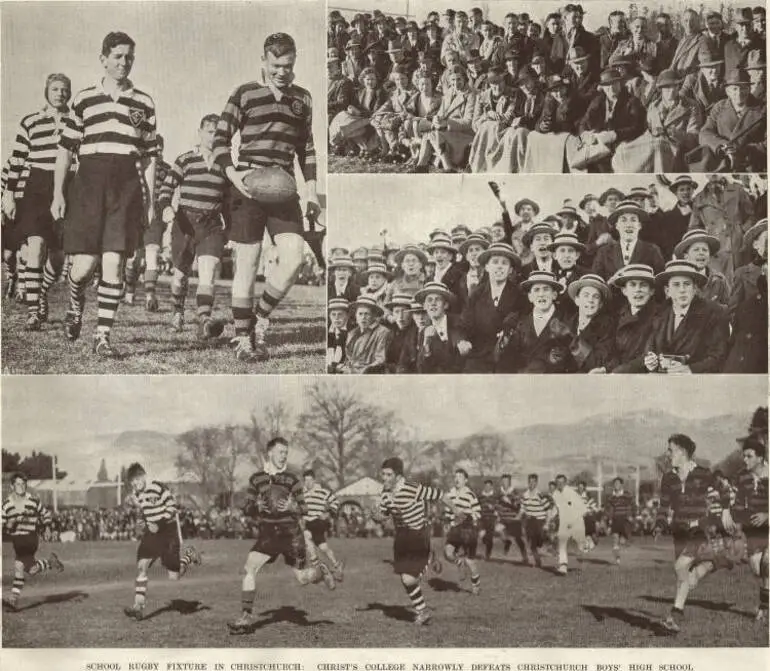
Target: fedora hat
680,268
338,304
756,60
567,238
590,280
738,77
540,227
610,76
434,288
576,55
610,192
693,236
367,302
441,241
555,82
569,210
709,59
526,201
344,261
377,268
633,271
586,199
668,79
681,181
743,15
627,207
352,44
473,239
541,277
754,232
500,249
411,249
399,300
332,55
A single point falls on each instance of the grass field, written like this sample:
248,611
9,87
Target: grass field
346,164
597,605
147,344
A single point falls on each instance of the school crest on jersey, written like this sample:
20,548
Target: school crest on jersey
297,108
136,116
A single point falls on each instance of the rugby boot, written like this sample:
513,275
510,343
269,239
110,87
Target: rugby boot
73,323
177,322
242,624
244,348
258,339
435,564
209,328
102,347
136,612
671,625
338,571
33,323
151,303
422,617
562,570
327,576
55,563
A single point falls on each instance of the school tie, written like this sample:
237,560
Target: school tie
678,319
626,253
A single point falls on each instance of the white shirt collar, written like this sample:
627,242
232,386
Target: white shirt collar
442,326
272,469
496,291
128,90
544,316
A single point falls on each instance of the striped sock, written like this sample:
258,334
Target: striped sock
179,293
763,598
50,275
65,271
18,585
9,268
185,560
475,580
130,276
77,294
242,315
269,300
140,591
150,281
109,296
204,300
34,278
247,600
40,566
416,597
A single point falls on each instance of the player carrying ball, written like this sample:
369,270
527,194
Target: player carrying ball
24,517
275,500
462,539
162,535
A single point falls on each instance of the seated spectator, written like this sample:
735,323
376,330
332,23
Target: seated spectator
367,343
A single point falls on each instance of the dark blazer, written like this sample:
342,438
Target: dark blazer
435,356
713,45
340,94
462,289
694,88
351,292
608,43
564,304
528,119
333,342
596,227
702,336
748,341
723,123
591,348
628,120
609,258
521,350
736,55
666,229
396,347
630,337
451,279
559,117
591,45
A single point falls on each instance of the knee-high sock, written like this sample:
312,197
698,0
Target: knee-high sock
77,294
17,587
109,296
204,300
50,275
416,597
269,300
242,315
140,591
179,293
34,278
150,280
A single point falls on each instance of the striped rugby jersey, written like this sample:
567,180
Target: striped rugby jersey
535,505
508,505
157,503
272,131
686,500
200,187
591,505
266,489
466,503
23,516
37,142
318,502
20,183
751,496
488,504
620,505
407,504
99,124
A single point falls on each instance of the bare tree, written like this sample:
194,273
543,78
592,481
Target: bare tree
274,420
488,451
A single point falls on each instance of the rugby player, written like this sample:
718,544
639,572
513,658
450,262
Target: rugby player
488,503
570,508
24,517
320,506
590,517
463,536
509,512
620,508
535,507
274,120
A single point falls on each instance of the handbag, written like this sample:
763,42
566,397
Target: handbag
580,154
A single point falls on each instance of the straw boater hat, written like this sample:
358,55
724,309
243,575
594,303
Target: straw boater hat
540,227
590,280
361,253
416,307
375,254
567,238
377,268
628,207
588,197
541,277
500,249
633,271
681,181
344,261
338,304
609,192
754,232
442,241
368,302
473,239
679,268
338,251
526,201
399,300
411,249
693,236
434,288
638,192
571,210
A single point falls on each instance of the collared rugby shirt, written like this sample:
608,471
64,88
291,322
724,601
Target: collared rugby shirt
688,500
751,496
157,503
466,503
18,190
508,505
200,187
408,504
318,502
591,506
267,489
23,516
36,144
620,505
272,131
488,503
535,504
99,124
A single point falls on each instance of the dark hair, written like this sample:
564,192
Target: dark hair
561,476
18,476
582,482
209,118
759,10
552,482
718,473
553,15
617,12
463,471
663,15
511,14
618,479
278,440
308,472
488,482
533,476
280,44
134,471
57,77
685,442
753,443
115,39
394,464
505,475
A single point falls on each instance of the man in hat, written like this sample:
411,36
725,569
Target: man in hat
444,253
591,324
734,136
443,345
759,15
638,45
690,334
582,78
756,66
667,229
609,38
413,42
577,36
597,227
376,277
341,282
600,233
567,251
340,89
643,85
353,64
402,326
408,362
367,343
714,38
360,260
627,220
666,44
526,210
685,58
698,247
705,86
24,518
744,41
537,242
571,220
336,340
461,39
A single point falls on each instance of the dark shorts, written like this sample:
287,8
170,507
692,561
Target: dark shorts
248,219
33,211
275,540
487,525
11,240
535,530
756,540
154,234
163,545
688,541
621,526
195,233
319,530
590,525
464,538
411,551
105,208
513,528
25,548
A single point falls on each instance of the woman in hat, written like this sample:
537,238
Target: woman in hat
490,303
492,116
471,249
410,274
697,247
748,308
421,107
341,282
367,343
591,325
442,345
377,277
537,342
336,339
352,126
389,118
402,325
690,334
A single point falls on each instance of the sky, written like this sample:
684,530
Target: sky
39,412
190,55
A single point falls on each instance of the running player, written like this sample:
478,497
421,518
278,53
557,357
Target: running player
24,517
35,151
570,509
274,120
405,502
110,128
13,261
463,536
488,503
620,509
590,517
509,512
159,518
320,506
197,226
535,507
276,501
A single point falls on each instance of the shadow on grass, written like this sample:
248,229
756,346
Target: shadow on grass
180,606
441,585
593,560
400,613
716,606
635,618
54,598
287,614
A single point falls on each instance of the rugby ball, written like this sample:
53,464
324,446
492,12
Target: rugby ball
270,185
